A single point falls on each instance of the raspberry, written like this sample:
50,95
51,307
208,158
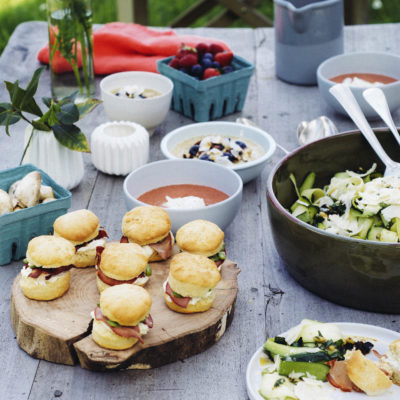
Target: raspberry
210,73
174,63
224,58
215,48
185,50
188,60
202,48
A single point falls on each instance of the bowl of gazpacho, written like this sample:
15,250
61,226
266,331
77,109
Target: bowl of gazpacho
360,71
242,148
187,189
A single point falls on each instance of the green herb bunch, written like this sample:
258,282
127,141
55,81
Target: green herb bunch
59,118
71,34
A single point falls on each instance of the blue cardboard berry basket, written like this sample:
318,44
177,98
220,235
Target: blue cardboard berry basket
211,98
19,227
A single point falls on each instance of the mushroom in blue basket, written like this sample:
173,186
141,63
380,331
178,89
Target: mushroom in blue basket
5,203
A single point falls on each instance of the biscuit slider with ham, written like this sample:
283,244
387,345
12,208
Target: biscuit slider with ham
122,318
46,275
190,284
82,229
149,227
203,238
121,263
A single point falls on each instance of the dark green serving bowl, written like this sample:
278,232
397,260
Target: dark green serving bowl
352,272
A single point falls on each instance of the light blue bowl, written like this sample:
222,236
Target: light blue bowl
19,227
247,171
195,172
362,62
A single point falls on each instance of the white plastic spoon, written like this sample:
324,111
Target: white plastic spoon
377,100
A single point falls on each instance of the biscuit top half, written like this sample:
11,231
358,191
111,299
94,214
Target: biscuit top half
78,226
123,261
195,270
126,304
200,237
50,252
145,225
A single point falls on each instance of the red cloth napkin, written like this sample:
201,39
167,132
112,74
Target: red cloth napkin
129,47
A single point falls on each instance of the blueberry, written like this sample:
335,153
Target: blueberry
216,64
208,55
141,96
230,156
193,150
206,63
227,69
241,144
185,70
197,70
205,157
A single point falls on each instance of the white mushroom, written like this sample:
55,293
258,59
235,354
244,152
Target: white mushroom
46,192
11,193
28,189
5,203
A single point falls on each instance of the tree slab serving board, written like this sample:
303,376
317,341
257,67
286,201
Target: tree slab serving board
60,330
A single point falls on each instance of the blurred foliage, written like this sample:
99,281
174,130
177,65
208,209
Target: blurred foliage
162,12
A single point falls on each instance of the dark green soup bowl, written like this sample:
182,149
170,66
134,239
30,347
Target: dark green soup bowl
351,272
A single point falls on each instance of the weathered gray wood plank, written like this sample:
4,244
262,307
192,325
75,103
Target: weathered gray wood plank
269,300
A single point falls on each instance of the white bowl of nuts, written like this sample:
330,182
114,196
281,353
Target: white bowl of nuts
137,96
243,148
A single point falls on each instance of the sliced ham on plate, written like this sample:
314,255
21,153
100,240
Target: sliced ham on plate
179,301
164,247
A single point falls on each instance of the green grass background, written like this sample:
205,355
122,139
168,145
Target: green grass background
161,13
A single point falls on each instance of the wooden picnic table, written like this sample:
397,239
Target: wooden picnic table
269,300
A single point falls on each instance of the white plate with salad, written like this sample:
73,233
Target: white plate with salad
379,337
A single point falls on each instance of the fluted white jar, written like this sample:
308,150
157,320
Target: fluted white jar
119,147
65,166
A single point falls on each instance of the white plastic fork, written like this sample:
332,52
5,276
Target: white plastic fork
377,100
345,97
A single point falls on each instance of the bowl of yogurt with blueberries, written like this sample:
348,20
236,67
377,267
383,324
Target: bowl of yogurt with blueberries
137,96
245,149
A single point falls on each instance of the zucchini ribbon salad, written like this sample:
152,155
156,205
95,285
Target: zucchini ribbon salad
298,364
362,205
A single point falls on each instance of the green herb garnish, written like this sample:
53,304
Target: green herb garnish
279,382
176,294
148,270
112,323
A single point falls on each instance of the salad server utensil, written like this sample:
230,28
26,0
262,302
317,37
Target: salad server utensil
345,97
318,128
377,100
246,121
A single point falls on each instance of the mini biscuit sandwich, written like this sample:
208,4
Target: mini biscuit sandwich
149,227
122,318
122,263
190,284
46,275
82,229
203,238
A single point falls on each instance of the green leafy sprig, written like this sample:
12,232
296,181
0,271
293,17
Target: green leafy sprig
59,118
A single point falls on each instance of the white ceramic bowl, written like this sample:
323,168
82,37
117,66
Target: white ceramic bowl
147,112
196,172
362,62
247,171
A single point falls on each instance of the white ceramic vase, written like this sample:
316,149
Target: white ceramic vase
65,166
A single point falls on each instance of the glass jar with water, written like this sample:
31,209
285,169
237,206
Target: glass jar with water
71,47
